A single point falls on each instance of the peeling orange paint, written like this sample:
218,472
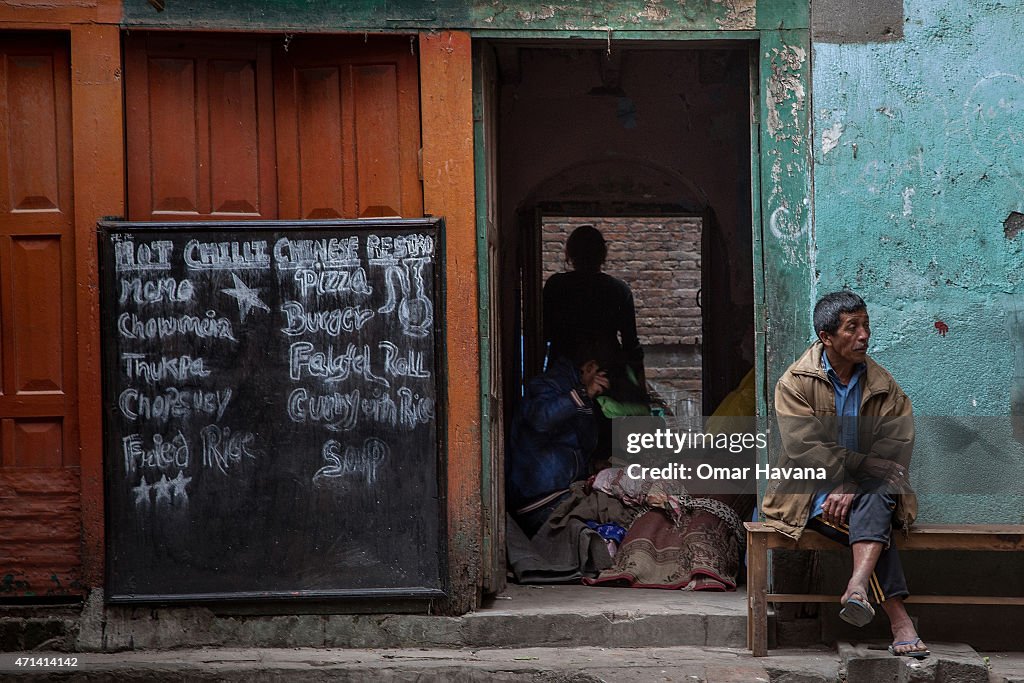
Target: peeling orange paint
446,70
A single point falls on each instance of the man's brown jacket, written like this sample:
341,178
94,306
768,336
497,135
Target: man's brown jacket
806,411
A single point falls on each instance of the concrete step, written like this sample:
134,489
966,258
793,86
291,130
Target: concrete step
948,663
536,665
574,616
547,616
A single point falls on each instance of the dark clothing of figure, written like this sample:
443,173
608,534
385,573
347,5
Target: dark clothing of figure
554,433
590,304
870,519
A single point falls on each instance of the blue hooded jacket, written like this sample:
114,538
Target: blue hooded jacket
552,437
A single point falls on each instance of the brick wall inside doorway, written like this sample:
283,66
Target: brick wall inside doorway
659,258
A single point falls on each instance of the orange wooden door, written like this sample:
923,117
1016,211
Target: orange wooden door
214,130
348,127
199,128
40,523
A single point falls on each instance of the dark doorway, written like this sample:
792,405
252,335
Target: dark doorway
646,132
640,132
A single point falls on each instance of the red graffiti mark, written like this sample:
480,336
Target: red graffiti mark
942,327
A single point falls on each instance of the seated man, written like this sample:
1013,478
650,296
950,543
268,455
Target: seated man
840,410
554,433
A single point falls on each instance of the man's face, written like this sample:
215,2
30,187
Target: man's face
850,342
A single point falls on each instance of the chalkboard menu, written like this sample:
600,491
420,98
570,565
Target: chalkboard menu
274,409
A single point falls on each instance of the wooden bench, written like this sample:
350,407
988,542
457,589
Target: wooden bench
761,539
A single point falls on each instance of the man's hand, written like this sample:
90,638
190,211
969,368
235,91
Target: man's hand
836,508
889,470
594,379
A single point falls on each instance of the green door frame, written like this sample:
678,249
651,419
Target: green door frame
781,183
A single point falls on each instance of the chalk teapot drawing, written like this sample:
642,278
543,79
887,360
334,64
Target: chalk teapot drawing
415,312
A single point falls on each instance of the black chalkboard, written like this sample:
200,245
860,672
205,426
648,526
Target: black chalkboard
274,397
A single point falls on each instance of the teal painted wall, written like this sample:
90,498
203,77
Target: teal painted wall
919,159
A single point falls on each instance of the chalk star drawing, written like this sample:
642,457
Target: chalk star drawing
179,483
163,489
248,298
142,492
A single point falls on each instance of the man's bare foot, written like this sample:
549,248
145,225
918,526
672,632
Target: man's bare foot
853,590
905,640
856,611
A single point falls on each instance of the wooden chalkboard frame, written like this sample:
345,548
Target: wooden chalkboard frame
108,305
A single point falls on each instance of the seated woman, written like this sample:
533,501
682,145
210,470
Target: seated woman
554,433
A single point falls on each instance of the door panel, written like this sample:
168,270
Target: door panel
40,523
38,443
33,159
375,94
218,128
321,163
347,115
200,128
175,162
39,350
234,138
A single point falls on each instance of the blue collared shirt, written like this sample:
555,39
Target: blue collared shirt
847,397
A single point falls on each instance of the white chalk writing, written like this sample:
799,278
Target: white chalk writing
339,412
381,409
414,409
131,326
164,454
305,360
332,322
388,250
351,460
155,291
178,368
226,255
173,403
397,364
323,282
147,256
224,448
328,253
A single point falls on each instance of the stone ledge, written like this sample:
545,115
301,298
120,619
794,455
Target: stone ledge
948,663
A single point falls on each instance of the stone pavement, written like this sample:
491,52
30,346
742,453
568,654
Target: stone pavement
549,633
949,664
543,664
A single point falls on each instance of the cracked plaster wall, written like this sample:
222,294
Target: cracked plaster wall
918,163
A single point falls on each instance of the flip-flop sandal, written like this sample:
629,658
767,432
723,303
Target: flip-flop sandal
916,654
857,611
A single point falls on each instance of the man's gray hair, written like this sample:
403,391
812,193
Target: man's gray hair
831,307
